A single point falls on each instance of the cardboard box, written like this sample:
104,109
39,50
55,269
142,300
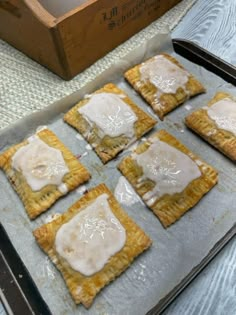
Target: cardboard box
70,43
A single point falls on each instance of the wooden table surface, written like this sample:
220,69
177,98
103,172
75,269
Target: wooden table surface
212,25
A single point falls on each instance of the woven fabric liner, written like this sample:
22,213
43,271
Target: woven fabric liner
26,86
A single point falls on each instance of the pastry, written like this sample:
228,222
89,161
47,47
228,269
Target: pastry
163,83
216,123
41,170
92,243
109,121
168,176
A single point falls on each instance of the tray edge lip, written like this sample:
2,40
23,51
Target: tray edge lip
186,45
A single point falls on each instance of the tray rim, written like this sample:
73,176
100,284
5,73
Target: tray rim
204,58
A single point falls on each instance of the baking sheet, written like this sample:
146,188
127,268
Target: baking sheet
175,251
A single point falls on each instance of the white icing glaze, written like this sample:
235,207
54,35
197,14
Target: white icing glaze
112,115
40,164
170,169
81,190
63,188
32,138
164,74
188,107
122,95
133,147
88,95
125,193
40,128
211,132
84,154
198,162
79,137
224,114
88,147
52,217
91,237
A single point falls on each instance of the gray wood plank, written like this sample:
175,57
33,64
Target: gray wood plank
212,25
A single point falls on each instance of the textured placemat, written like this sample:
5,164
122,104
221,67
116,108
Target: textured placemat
26,86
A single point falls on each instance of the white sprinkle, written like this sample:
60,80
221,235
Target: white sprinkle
188,107
198,162
52,217
40,128
88,147
32,138
122,95
211,132
54,260
88,95
63,189
79,137
84,154
78,290
81,190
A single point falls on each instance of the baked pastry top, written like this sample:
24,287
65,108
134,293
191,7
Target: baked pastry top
92,243
168,176
216,123
109,121
163,82
41,170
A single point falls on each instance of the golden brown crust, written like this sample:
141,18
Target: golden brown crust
108,147
203,125
166,102
36,202
170,208
84,289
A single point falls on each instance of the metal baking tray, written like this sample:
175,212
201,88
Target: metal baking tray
178,253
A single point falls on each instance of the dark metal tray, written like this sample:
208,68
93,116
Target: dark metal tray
18,291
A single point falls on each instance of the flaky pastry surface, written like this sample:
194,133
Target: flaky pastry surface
167,101
36,202
170,208
84,288
108,147
204,126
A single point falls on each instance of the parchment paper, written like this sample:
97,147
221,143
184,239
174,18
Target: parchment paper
176,250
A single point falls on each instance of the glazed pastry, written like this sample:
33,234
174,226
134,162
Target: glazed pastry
168,176
109,121
163,83
41,170
92,243
216,123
